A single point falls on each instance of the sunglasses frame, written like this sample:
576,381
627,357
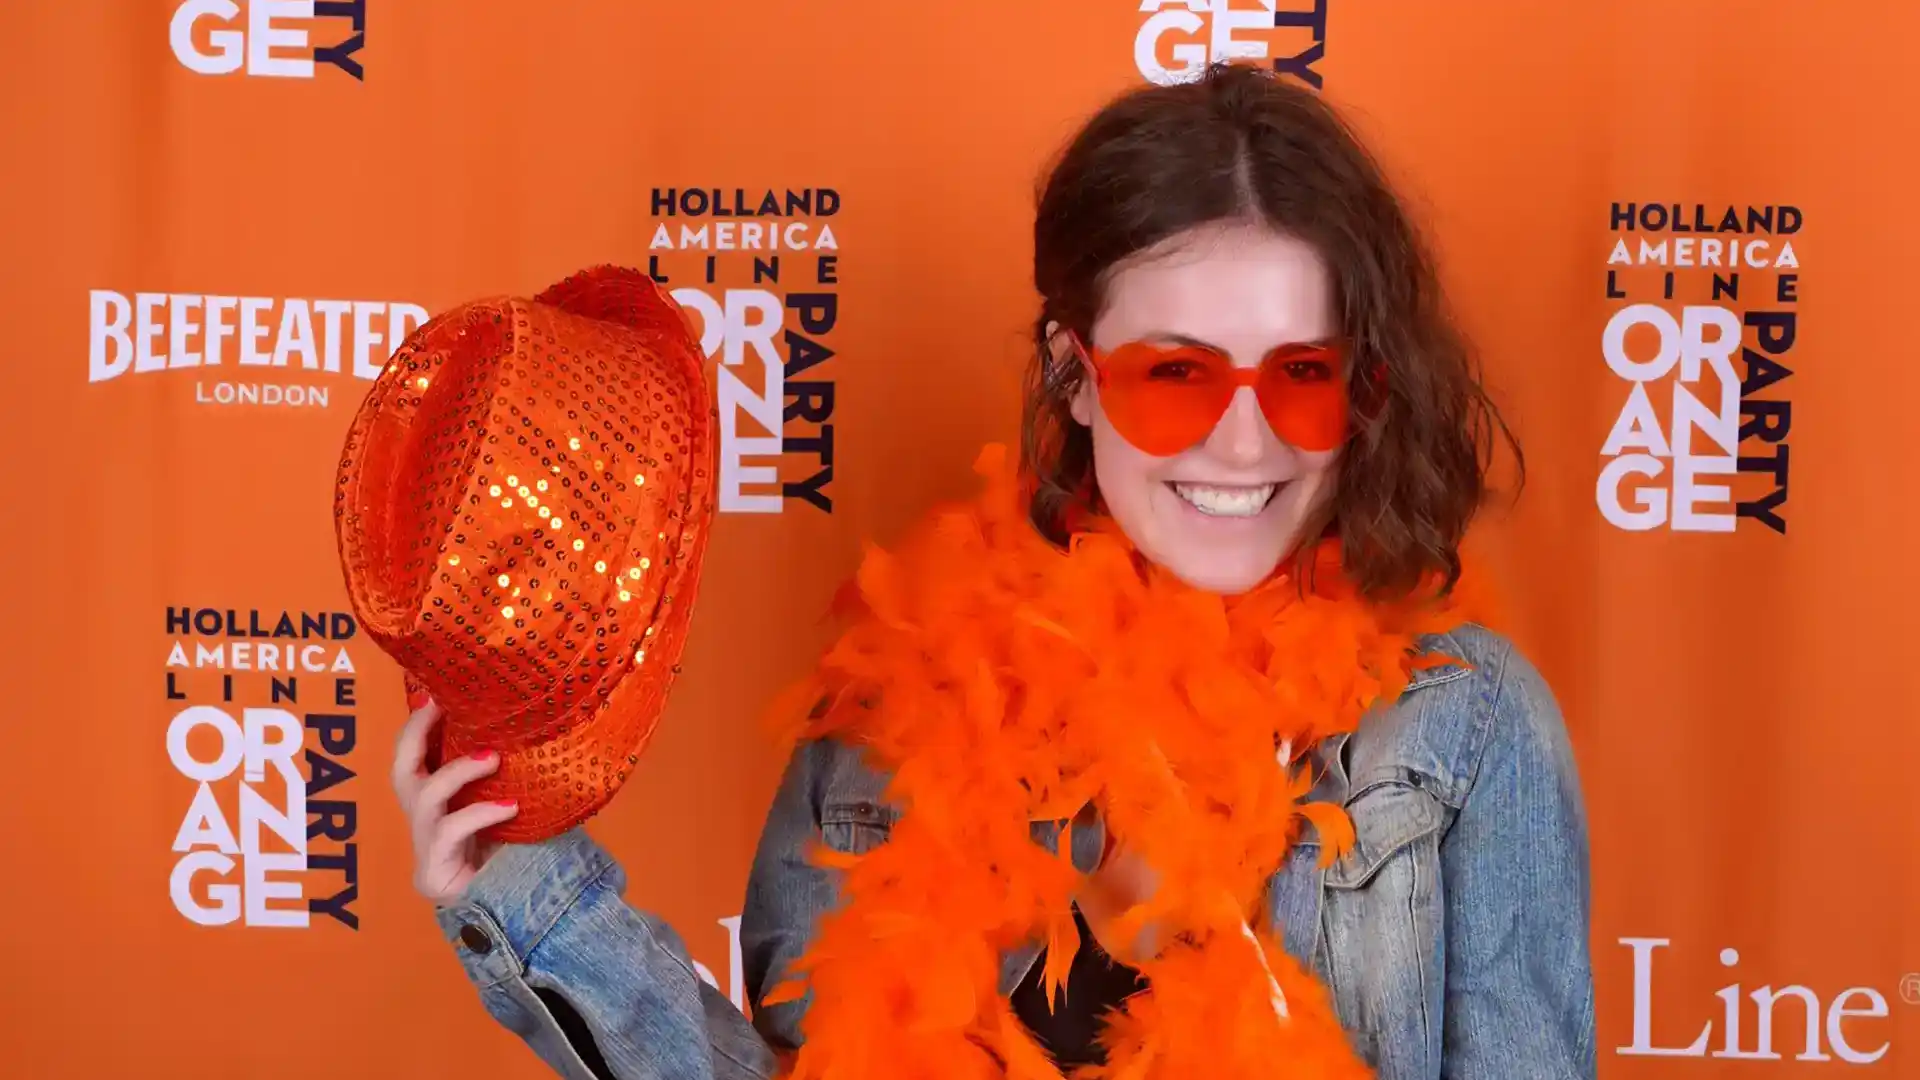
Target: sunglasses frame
1241,377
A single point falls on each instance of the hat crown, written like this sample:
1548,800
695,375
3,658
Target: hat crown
522,509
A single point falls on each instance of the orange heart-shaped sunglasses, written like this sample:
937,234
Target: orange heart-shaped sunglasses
1164,397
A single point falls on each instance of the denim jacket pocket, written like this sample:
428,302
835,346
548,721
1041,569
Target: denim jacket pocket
853,811
1388,816
855,827
1383,923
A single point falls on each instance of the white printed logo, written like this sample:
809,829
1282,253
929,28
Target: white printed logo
1702,340
1757,1024
276,338
207,844
258,39
1180,38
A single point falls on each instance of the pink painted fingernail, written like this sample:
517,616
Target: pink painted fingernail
481,755
505,802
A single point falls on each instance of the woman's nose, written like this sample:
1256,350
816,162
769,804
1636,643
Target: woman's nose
1241,437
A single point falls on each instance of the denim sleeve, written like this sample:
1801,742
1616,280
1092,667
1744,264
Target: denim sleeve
554,950
1514,866
786,891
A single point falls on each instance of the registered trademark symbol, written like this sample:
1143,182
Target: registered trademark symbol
1910,987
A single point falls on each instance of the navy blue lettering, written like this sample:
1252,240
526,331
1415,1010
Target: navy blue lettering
1768,421
333,819
809,490
1762,509
809,401
818,311
1776,329
337,906
802,353
1300,65
323,772
1762,372
338,731
342,56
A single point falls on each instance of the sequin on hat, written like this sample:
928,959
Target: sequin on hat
522,507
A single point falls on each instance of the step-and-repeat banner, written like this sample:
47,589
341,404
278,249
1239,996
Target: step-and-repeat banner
1679,230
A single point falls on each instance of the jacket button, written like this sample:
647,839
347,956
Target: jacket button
866,811
475,939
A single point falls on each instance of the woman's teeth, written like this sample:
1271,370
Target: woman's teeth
1217,501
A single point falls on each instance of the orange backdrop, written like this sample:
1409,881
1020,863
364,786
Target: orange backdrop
221,216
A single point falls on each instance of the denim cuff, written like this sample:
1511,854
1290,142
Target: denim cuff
516,899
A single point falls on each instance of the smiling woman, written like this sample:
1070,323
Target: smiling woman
1177,752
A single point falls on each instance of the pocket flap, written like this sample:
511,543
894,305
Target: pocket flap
1387,816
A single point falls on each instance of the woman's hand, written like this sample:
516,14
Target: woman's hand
446,853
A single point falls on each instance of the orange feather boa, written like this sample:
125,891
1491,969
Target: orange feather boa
1001,681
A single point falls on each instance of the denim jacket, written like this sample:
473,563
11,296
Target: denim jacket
1454,936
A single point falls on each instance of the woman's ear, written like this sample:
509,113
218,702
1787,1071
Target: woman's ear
1064,355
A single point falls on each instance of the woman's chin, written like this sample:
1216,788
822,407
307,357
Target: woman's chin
1228,572
1217,553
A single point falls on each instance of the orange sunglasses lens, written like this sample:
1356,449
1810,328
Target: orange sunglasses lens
1166,398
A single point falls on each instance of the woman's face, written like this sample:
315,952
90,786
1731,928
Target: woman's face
1222,514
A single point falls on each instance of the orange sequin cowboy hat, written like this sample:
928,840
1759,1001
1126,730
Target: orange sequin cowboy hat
521,509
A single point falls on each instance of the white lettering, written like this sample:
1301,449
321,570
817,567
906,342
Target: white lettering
736,988
147,328
751,318
263,36
1651,511
743,236
263,739
251,329
1688,493
225,907
228,46
184,328
332,310
218,328
1765,999
109,314
230,50
1876,1009
295,336
1703,338
1712,251
151,332
367,363
1222,24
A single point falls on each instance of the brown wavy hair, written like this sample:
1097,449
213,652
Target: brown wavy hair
1240,144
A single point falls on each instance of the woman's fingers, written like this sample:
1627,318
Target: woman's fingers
410,752
437,790
461,825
